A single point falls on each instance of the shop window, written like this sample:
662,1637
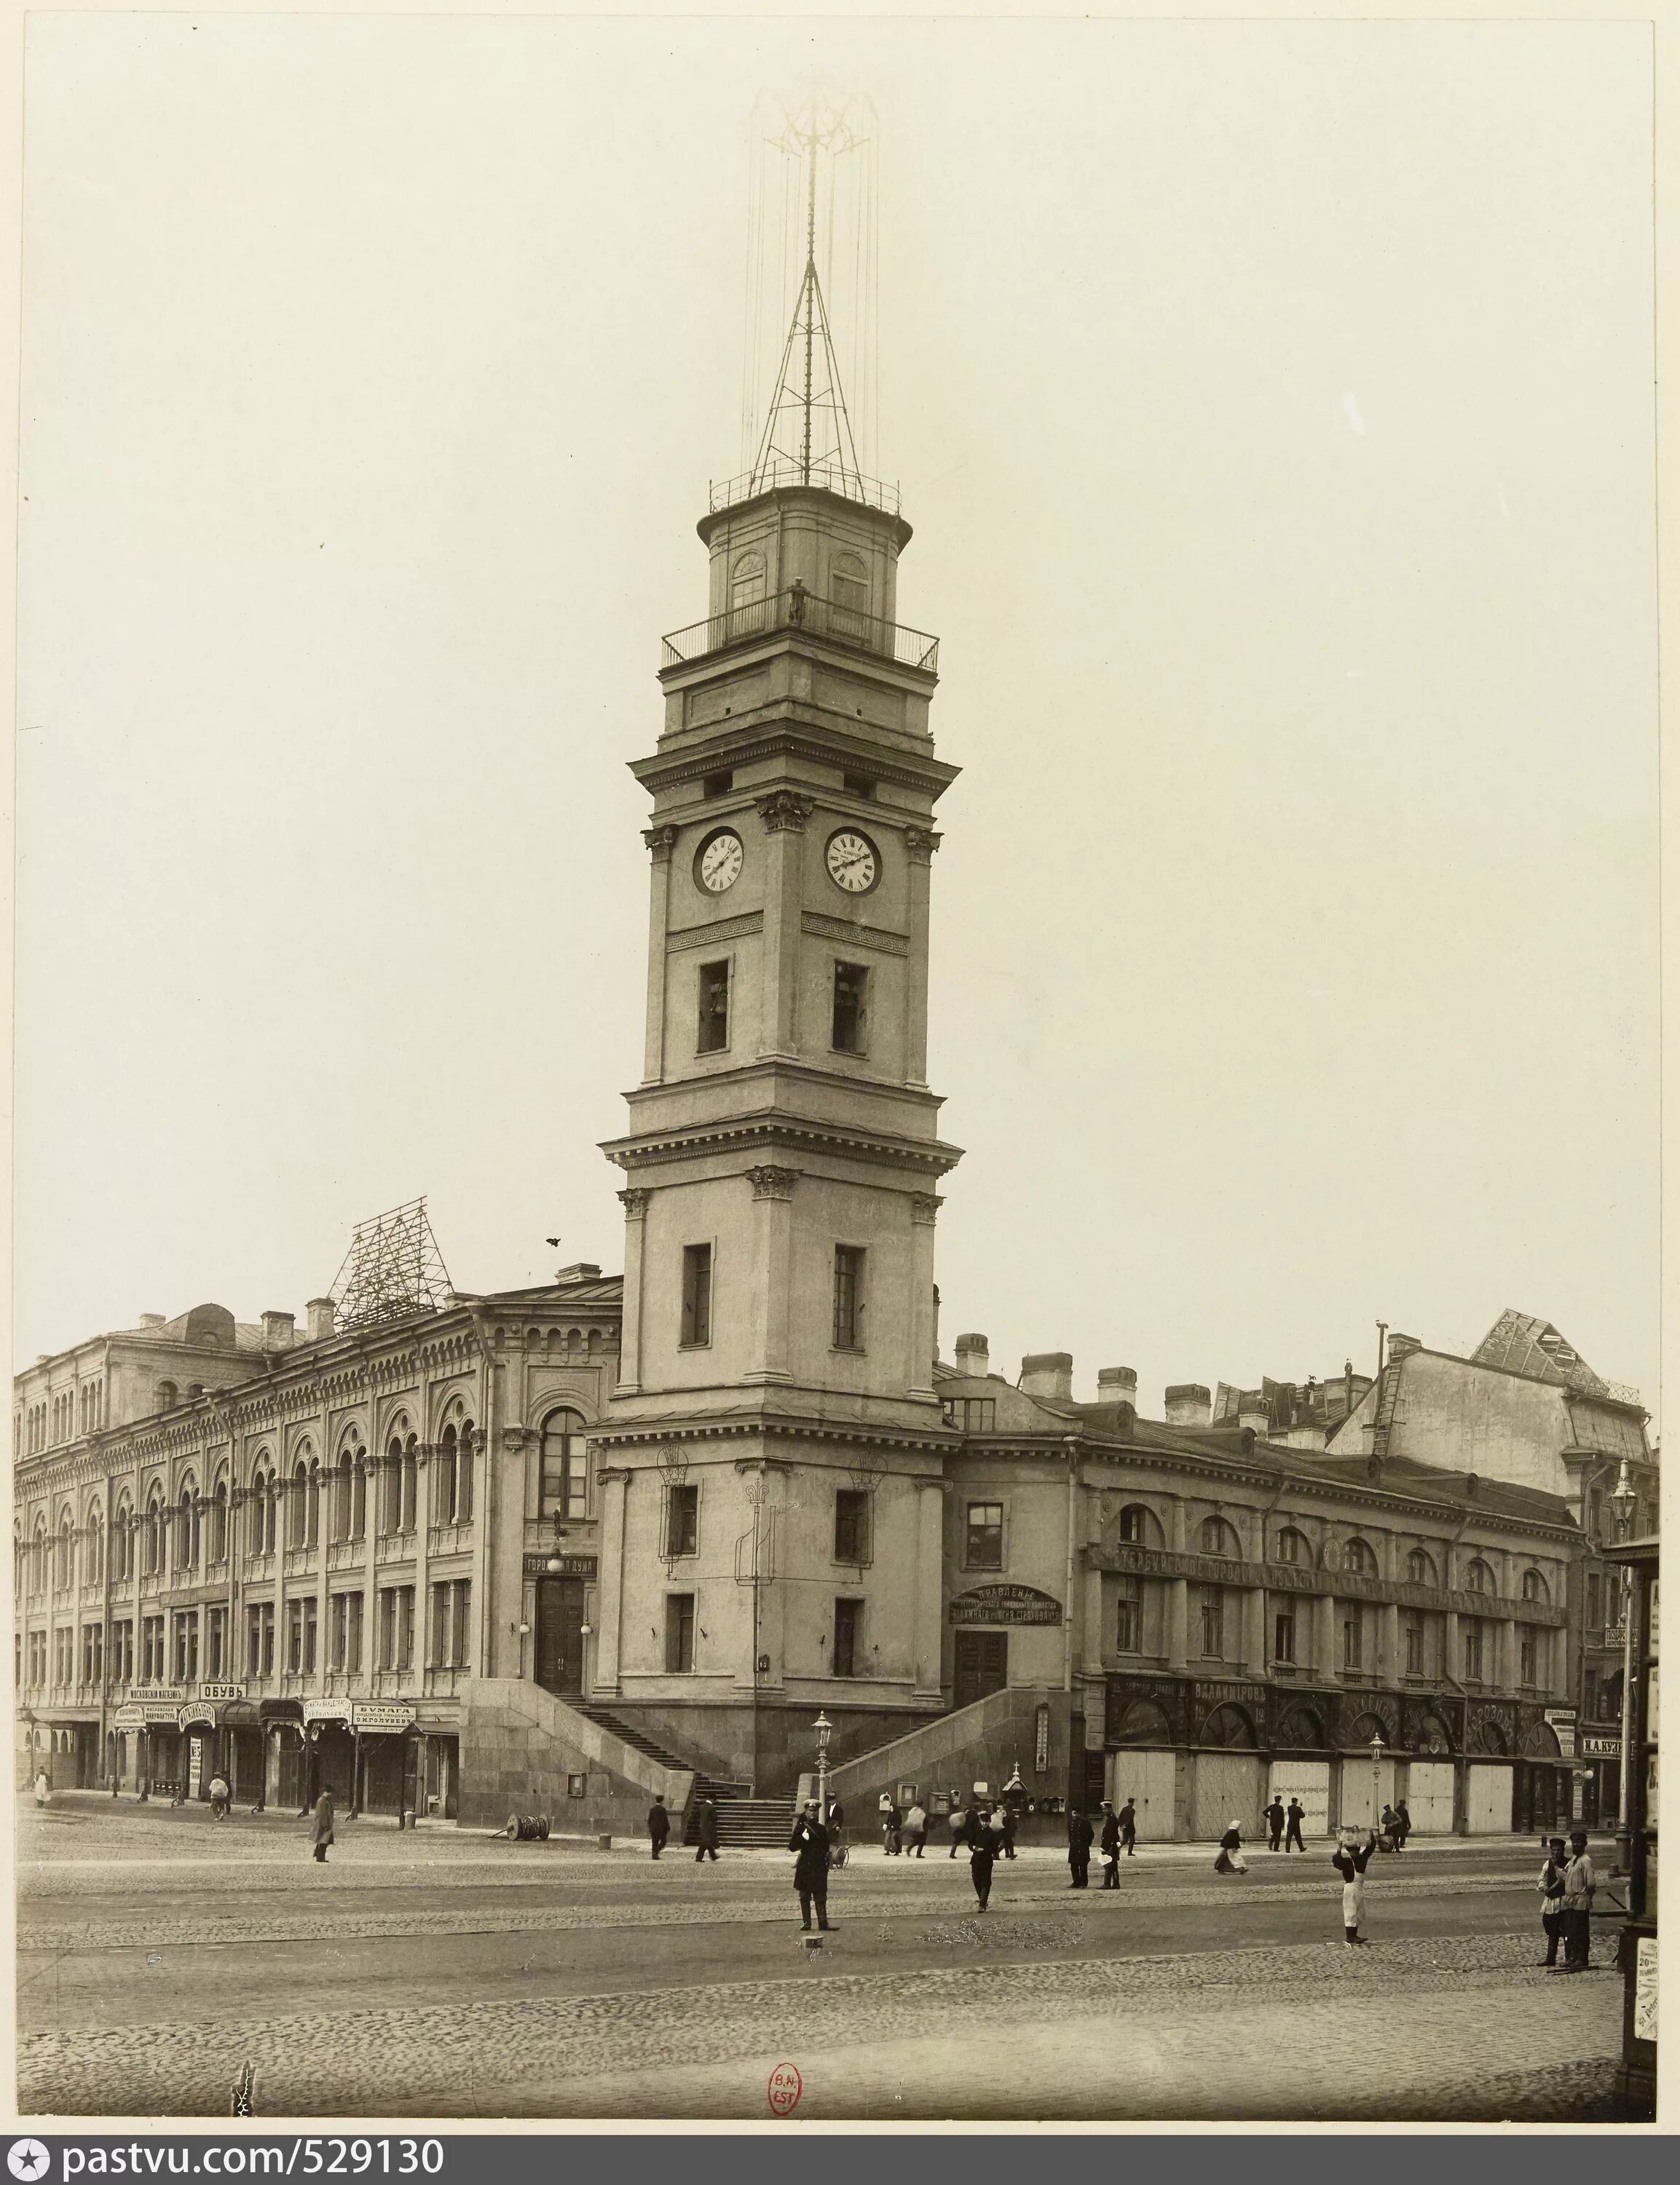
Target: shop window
851,1013
984,1549
564,1487
848,1628
681,1521
696,1295
851,1525
849,1301
679,1633
712,1019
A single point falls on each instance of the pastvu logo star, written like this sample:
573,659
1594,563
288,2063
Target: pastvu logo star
27,2159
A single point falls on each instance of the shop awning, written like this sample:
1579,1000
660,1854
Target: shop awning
280,1710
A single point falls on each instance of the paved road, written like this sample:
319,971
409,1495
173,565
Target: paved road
450,1974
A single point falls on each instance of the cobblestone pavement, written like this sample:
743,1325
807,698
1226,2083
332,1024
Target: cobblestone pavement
1161,2037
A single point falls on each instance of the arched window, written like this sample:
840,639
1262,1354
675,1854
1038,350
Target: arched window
312,1533
1218,1538
167,1395
849,591
1139,1526
298,1513
1420,1568
344,1492
464,1473
1356,1556
151,1537
746,594
122,1544
1534,1587
564,1487
42,1557
260,1527
61,1576
219,1523
444,1479
188,1537
94,1561
1293,1547
1479,1578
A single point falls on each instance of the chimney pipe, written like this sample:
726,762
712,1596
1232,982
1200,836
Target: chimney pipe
974,1357
150,1320
1117,1384
1048,1373
1188,1405
279,1331
1251,1412
321,1315
1401,1346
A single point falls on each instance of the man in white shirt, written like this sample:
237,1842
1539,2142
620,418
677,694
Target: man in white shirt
1579,1882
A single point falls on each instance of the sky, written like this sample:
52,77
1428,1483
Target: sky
1272,404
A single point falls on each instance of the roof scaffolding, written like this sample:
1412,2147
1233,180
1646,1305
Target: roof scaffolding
392,1269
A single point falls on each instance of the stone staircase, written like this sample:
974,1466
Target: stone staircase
742,1819
753,1824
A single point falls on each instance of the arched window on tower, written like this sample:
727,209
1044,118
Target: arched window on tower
747,609
849,595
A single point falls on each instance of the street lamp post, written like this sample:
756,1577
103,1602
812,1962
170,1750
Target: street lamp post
1377,1749
823,1729
1622,1502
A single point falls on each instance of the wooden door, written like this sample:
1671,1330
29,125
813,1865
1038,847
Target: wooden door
560,1635
982,1665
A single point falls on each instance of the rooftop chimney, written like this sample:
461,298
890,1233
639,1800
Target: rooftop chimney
1188,1405
1401,1346
974,1357
150,1320
279,1331
1048,1373
1251,1412
322,1315
580,1270
1117,1384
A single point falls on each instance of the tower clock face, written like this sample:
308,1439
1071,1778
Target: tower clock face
853,863
718,865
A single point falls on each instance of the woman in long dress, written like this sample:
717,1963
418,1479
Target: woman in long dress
1230,1859
1350,1859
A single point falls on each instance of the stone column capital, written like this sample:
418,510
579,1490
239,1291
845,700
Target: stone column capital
770,1183
784,808
660,841
924,1207
920,843
634,1201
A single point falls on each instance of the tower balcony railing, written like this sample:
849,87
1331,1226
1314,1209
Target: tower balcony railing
780,471
801,610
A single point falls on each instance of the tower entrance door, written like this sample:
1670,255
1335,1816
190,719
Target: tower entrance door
559,1635
982,1665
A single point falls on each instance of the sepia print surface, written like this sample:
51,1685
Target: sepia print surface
1014,663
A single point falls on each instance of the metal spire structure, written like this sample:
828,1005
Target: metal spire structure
807,438
393,1268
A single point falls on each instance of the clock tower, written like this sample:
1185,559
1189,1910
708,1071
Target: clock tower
770,1467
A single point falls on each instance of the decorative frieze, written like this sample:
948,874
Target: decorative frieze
855,934
716,931
1296,1578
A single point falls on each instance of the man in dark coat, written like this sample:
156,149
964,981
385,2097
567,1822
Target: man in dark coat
1128,1827
1110,1842
1006,1831
809,1840
659,1826
706,1832
983,1845
320,1824
1079,1849
1551,1900
1275,1818
1294,1812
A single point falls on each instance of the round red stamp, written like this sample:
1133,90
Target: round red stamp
784,2089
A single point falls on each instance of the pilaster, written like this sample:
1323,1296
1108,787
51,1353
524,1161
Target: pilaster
930,1603
783,813
920,843
660,841
613,1483
636,1203
772,1190
924,1207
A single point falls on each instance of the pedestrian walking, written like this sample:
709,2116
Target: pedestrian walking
1551,1900
1393,1837
1275,1818
1006,1840
1109,1840
659,1826
706,1832
1405,1820
958,1822
916,1827
1579,1883
1128,1827
1079,1849
221,1798
1350,1859
984,1841
1294,1813
1230,1859
43,1787
811,1841
320,1824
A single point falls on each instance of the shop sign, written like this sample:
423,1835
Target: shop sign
1600,1748
148,1714
1005,1604
1562,1721
154,1695
562,1565
326,1710
214,1693
197,1716
1645,1990
381,1714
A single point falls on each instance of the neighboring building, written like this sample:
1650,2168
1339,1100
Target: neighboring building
1527,1409
1296,1415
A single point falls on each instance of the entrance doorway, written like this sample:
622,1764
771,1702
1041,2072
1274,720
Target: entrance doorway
982,1665
560,1635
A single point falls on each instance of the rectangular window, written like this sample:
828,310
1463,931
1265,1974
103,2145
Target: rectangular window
1472,1646
1595,1515
122,1652
1353,1637
696,1295
1589,1695
851,1525
848,1626
1414,1645
346,1632
1129,1617
92,1653
396,1627
451,1608
679,1633
1595,1601
1283,1635
858,785
713,1036
681,1521
1528,1655
259,1639
216,1664
848,1297
186,1646
852,989
984,1549
152,1650
1212,1623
